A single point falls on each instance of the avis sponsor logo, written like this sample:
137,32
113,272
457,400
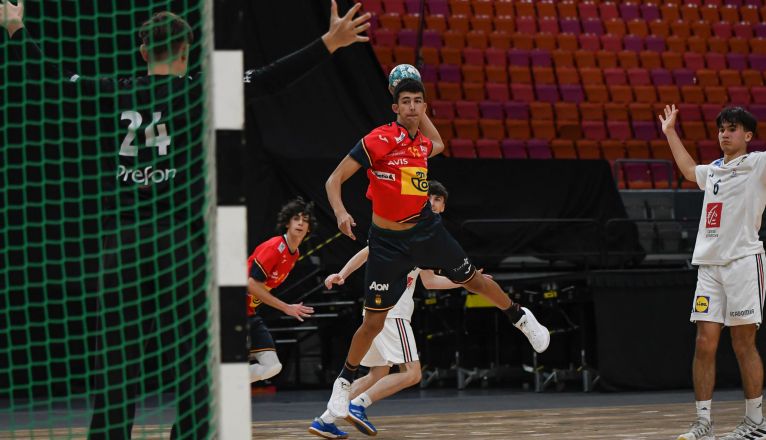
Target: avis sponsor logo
702,304
713,215
145,176
397,162
741,313
378,287
384,176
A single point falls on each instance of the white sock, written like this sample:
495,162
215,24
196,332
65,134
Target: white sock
363,400
327,417
753,409
703,409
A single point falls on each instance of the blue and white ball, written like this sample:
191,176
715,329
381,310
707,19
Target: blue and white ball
401,72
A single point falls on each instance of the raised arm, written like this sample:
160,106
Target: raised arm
11,16
26,51
343,31
429,130
258,290
683,159
345,169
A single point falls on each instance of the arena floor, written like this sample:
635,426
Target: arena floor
438,413
499,414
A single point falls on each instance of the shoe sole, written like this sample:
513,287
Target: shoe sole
322,434
360,426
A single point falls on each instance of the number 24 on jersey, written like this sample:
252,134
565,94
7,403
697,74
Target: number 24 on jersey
160,139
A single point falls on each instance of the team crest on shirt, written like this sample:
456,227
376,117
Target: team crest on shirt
400,138
702,304
281,247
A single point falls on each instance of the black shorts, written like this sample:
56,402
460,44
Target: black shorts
393,254
259,337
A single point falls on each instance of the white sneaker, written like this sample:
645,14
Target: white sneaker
538,334
338,403
701,429
747,430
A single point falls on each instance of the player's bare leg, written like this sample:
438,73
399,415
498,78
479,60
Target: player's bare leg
751,368
703,373
523,319
703,367
364,383
408,375
371,326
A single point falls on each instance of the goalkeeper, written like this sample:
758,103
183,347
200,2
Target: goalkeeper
153,256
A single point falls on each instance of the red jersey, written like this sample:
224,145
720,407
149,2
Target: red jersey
270,263
397,168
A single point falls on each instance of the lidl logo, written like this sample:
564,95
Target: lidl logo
702,304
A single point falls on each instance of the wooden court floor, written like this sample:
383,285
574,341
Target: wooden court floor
650,422
624,422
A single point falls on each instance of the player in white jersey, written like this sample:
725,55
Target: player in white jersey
395,345
730,278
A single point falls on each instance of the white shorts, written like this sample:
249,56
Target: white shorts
732,294
394,345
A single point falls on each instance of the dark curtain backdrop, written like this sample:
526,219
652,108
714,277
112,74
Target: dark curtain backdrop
322,115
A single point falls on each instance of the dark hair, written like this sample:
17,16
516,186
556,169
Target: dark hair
737,116
164,33
408,85
435,188
293,208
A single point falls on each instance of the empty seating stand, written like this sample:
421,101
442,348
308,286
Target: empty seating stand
511,79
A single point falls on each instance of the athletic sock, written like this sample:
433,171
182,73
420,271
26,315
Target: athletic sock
327,417
348,372
362,400
703,409
514,313
753,409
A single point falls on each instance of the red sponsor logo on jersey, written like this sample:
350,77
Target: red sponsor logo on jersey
409,281
713,216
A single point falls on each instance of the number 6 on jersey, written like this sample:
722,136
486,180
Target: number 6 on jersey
161,140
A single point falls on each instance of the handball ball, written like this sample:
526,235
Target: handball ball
400,72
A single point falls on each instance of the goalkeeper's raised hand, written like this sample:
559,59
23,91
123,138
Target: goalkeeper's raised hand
12,16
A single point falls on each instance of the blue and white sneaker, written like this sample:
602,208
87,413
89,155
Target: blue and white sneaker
358,417
326,430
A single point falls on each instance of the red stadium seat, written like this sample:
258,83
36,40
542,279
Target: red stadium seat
587,149
541,111
466,129
592,111
462,149
594,130
637,149
517,129
563,149
488,149
492,129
